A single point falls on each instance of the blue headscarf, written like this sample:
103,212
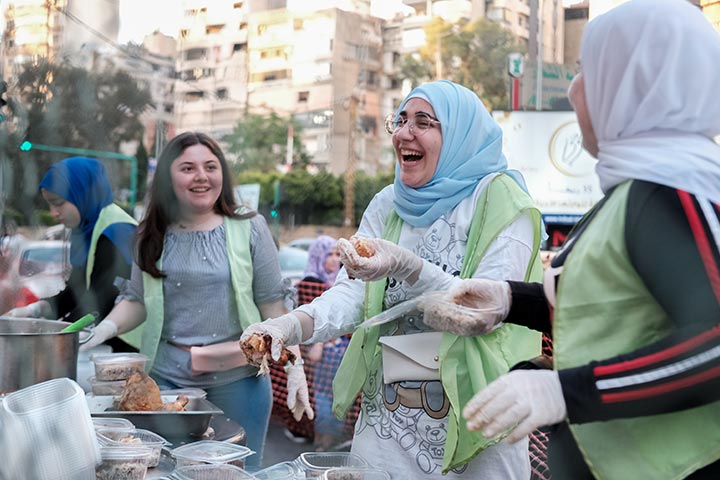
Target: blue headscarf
317,254
471,148
84,183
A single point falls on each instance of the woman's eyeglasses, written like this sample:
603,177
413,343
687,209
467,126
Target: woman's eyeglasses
421,123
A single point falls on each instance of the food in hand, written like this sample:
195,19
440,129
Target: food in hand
257,349
363,247
141,394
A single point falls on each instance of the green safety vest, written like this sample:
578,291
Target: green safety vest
146,337
109,215
467,364
603,309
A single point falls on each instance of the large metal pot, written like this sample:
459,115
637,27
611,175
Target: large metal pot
33,351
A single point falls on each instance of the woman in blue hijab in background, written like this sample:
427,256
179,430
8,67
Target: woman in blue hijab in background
80,197
454,211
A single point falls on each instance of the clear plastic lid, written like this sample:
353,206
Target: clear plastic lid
212,472
125,453
122,436
314,462
212,451
279,471
113,423
108,358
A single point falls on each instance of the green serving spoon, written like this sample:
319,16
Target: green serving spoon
79,324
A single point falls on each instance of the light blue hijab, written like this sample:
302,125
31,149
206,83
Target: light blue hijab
471,148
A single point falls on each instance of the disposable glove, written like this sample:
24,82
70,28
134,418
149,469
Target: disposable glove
491,300
285,330
389,260
39,309
298,400
104,331
519,402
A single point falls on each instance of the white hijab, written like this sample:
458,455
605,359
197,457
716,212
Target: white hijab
652,84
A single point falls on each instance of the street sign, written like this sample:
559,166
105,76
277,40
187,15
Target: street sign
515,65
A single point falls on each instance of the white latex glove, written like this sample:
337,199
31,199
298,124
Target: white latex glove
104,331
285,330
39,309
389,260
490,299
521,401
298,400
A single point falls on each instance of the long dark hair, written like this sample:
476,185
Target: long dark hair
163,209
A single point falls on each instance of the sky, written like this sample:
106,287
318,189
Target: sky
142,17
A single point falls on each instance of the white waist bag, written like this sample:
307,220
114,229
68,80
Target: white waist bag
411,357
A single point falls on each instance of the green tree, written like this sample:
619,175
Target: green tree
56,104
260,142
471,54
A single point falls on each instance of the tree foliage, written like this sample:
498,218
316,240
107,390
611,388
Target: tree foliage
472,54
60,105
260,142
314,199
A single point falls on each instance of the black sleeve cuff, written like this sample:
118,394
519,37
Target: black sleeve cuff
529,307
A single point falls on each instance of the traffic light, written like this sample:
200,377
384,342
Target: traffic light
26,146
274,213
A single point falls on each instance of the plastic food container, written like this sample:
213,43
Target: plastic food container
122,463
279,471
211,452
441,308
314,464
118,366
132,439
220,471
101,423
348,473
106,388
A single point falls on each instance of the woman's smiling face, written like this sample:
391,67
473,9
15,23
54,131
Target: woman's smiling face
417,155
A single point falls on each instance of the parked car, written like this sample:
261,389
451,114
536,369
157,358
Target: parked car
292,263
36,270
302,243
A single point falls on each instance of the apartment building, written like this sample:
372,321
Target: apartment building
54,29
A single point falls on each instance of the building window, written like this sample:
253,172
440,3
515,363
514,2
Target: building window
239,47
221,93
303,97
195,54
194,96
238,5
298,23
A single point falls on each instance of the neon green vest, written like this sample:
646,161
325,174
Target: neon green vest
146,337
603,309
109,215
467,364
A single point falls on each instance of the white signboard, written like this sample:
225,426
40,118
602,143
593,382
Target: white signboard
547,148
248,195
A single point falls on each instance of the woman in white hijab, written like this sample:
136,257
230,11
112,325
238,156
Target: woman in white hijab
635,293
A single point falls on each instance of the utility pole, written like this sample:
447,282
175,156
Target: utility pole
349,222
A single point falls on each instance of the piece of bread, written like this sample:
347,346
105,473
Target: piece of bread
363,247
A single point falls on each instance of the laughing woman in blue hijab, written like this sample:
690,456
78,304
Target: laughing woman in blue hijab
454,211
79,195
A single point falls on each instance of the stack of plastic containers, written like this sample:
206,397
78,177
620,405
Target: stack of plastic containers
122,437
113,367
48,433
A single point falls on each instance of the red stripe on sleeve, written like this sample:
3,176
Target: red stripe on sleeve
658,357
660,389
701,240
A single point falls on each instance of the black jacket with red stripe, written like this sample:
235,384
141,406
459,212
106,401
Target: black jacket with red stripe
673,241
